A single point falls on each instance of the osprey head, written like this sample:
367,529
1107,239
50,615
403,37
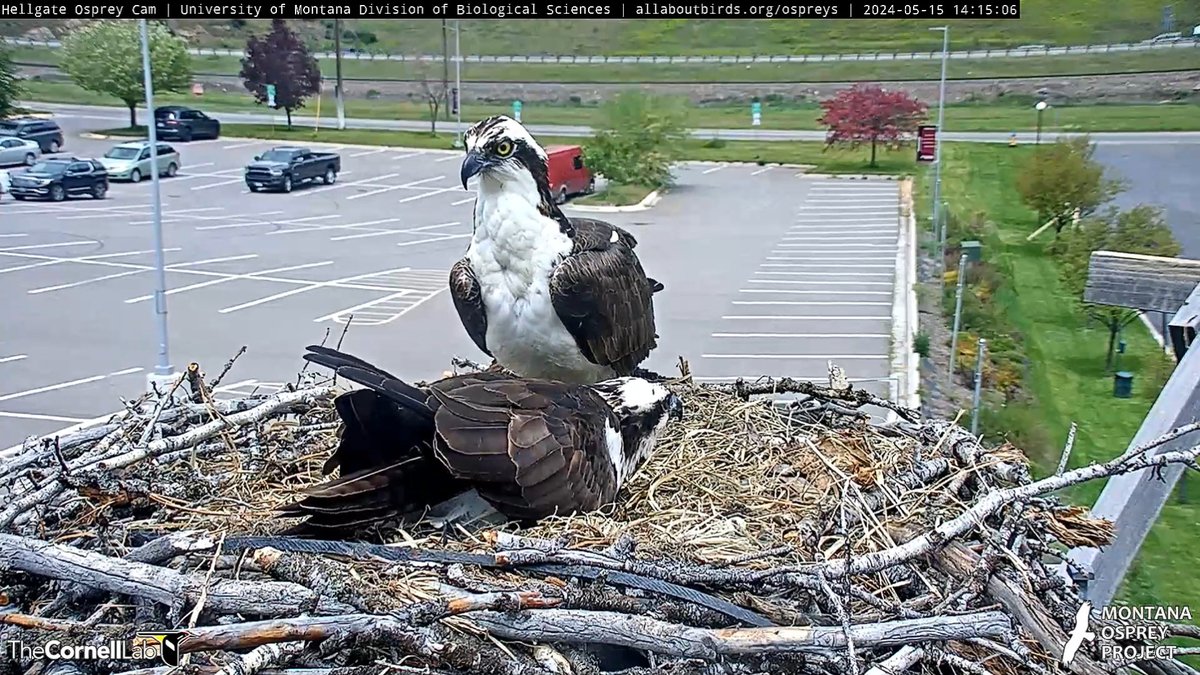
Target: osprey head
643,409
500,146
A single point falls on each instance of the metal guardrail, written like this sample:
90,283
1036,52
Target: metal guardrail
788,58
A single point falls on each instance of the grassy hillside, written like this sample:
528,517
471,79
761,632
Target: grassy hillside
1042,22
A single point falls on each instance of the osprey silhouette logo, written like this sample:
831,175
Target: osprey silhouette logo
1078,634
161,644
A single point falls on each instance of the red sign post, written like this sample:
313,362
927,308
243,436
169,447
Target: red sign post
926,143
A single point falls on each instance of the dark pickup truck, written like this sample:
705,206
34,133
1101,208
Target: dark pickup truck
284,167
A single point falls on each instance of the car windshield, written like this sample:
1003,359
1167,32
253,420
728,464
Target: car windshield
278,156
48,167
8,129
122,153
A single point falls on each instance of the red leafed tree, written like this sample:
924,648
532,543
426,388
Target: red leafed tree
870,113
280,58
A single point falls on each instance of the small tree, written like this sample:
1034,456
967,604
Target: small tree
867,113
10,85
106,57
1138,230
434,93
281,59
638,140
1062,178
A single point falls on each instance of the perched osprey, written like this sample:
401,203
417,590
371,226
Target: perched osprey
531,448
546,295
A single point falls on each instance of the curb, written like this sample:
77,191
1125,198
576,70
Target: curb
647,202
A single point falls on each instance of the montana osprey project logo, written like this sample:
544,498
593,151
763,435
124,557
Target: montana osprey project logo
1079,633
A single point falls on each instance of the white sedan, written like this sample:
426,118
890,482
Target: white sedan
15,150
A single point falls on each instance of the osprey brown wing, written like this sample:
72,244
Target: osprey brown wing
468,300
604,299
532,449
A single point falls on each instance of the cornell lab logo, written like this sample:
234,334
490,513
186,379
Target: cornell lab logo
1125,624
162,645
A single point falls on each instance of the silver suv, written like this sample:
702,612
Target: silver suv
131,161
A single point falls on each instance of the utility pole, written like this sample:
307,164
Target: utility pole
337,60
958,295
163,368
937,147
458,85
446,68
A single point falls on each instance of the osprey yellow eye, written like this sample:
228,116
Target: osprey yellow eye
504,148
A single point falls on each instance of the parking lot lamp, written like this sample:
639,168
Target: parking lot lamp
160,292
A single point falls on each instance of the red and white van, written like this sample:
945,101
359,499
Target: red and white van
568,175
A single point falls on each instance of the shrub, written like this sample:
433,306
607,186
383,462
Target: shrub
638,139
921,344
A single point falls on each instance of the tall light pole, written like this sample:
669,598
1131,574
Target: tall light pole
457,95
160,292
337,69
1040,107
938,226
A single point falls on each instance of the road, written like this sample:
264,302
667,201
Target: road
1013,52
114,116
1162,175
766,271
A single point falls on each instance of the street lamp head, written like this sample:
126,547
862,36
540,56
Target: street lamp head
1041,105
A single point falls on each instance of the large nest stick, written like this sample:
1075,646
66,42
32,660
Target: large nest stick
805,537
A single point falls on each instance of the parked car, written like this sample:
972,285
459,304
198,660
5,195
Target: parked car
131,161
60,177
568,175
15,150
183,123
283,167
46,133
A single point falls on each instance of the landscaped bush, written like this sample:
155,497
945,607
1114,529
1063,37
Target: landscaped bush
638,140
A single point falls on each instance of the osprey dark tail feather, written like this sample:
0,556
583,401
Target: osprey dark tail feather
531,448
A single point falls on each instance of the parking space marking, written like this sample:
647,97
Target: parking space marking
462,201
129,273
801,335
821,238
12,235
343,226
364,153
793,291
394,187
336,186
231,181
64,385
42,209
46,418
118,214
825,274
409,155
714,169
827,357
814,266
46,261
239,145
15,357
844,247
447,158
415,288
808,303
823,258
250,276
762,170
430,240
429,194
817,283
255,223
385,232
296,291
30,247
801,317
186,217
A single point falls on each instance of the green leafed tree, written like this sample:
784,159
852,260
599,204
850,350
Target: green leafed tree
1137,230
280,58
639,138
10,85
106,57
1061,178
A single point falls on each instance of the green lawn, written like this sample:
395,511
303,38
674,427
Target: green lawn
1066,375
1164,117
617,195
1043,22
809,153
817,71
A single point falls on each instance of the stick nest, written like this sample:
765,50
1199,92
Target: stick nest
751,515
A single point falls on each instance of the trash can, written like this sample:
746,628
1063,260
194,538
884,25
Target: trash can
1123,384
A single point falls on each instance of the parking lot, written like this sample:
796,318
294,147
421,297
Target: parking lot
766,271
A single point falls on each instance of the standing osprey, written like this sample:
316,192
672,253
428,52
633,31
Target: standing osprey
546,295
530,448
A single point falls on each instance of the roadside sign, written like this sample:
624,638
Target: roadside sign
271,95
926,143
198,89
517,110
756,113
454,101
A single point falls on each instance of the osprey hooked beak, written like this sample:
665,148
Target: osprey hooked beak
472,165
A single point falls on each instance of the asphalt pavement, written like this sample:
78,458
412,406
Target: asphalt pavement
1162,175
275,272
120,116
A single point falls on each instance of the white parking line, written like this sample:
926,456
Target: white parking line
295,291
129,273
801,335
762,170
166,214
64,385
234,146
337,186
430,240
30,247
850,247
799,317
255,223
802,282
816,266
50,260
231,181
462,201
13,235
10,359
364,153
824,357
369,303
408,155
389,232
823,274
448,158
393,187
715,168
867,238
41,210
792,291
46,418
827,258
248,276
815,303
429,194
342,226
